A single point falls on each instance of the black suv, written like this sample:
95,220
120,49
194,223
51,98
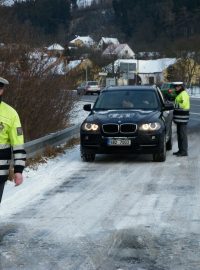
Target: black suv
127,119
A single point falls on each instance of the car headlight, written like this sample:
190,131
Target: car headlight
90,127
150,126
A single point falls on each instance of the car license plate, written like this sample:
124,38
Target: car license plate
119,142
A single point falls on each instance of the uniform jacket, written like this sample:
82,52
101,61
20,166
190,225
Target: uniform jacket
11,141
182,108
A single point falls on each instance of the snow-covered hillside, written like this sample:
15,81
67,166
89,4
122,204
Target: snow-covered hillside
8,2
84,3
81,3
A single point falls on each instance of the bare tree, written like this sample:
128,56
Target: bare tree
185,69
40,96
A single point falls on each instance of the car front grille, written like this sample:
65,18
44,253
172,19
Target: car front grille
110,128
116,128
128,128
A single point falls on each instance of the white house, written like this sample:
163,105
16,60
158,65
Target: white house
119,50
55,47
150,71
148,55
106,41
79,41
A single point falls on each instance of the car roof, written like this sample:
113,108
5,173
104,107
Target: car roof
172,83
130,87
91,81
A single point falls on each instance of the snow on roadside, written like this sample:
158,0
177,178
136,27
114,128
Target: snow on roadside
194,92
77,114
38,181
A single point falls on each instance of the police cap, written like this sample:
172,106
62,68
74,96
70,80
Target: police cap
177,84
3,82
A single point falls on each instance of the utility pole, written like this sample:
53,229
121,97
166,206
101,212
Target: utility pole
128,75
137,71
86,73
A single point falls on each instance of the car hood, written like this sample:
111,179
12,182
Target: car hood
130,116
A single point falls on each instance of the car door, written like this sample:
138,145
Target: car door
167,115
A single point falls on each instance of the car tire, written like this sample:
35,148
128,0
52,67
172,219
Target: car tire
86,156
161,156
169,144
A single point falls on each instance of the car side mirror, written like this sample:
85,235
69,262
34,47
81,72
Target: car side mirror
168,106
87,107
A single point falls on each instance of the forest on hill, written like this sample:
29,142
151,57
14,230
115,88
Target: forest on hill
160,23
144,24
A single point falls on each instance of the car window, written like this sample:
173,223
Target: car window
166,85
92,83
127,99
160,95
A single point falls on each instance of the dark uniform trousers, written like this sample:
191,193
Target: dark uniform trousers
2,184
182,138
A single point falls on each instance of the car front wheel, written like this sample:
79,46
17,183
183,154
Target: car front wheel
161,156
86,156
169,144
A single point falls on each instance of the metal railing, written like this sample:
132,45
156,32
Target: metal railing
38,146
194,90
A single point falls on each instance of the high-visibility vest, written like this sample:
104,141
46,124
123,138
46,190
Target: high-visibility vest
11,141
182,108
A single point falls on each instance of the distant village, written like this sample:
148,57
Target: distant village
125,66
129,70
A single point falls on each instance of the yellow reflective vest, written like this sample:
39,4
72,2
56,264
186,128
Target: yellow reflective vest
11,141
182,108
183,100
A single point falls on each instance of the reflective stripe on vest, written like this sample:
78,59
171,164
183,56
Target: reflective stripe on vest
4,146
181,116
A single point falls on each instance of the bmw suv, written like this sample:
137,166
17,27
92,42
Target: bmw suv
127,119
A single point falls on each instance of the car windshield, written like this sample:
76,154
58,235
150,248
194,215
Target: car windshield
92,83
127,99
166,85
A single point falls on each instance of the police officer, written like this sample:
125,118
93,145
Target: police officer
181,118
11,142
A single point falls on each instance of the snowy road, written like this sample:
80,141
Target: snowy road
120,212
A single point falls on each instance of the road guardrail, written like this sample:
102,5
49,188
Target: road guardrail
38,146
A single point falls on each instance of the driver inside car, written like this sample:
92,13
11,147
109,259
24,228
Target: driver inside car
126,103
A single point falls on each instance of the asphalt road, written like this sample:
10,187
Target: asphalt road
119,212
